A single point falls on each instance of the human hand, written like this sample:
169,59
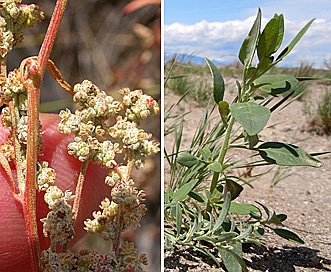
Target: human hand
14,254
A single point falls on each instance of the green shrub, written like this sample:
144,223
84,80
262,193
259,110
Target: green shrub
200,208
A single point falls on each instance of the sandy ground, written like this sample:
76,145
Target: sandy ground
305,197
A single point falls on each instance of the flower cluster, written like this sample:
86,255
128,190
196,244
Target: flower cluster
103,128
91,125
125,208
128,257
128,260
138,105
15,17
58,225
12,88
45,176
15,91
136,142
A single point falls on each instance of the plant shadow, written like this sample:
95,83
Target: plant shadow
257,258
189,259
286,258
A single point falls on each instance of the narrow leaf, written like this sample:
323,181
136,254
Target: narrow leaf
265,209
209,254
223,213
280,30
218,81
247,49
197,196
183,191
289,235
207,155
293,43
178,218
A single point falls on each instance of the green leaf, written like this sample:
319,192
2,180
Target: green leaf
247,49
183,191
276,84
280,30
234,188
232,258
223,213
264,208
178,218
207,155
187,159
223,108
242,208
268,39
259,232
215,167
167,244
253,117
293,43
289,235
277,218
218,81
286,155
198,197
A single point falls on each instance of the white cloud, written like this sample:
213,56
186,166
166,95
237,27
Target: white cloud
219,40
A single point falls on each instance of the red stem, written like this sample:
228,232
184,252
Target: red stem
29,197
79,190
119,227
46,47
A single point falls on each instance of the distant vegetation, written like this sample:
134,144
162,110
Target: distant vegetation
194,81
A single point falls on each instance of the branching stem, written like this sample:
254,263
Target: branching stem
29,196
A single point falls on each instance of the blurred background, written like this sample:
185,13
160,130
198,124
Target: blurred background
115,44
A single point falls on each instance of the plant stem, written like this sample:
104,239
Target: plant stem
19,164
79,189
47,46
224,149
119,228
29,196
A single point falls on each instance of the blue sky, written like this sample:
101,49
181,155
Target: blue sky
216,28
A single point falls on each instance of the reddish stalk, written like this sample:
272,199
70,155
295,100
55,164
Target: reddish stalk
79,189
119,227
29,197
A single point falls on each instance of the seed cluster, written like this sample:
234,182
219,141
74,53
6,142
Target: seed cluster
15,17
103,128
58,224
14,90
91,125
128,260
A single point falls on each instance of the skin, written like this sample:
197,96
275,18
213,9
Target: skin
14,255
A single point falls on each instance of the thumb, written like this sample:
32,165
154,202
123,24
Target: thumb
14,255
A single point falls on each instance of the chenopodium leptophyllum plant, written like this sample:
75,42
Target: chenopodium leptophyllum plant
106,132
200,207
